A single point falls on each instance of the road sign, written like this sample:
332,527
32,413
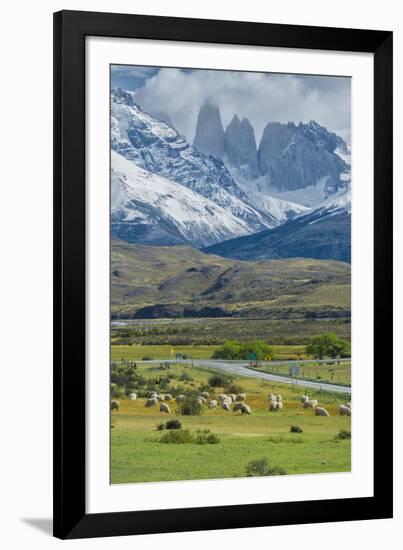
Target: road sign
251,357
294,371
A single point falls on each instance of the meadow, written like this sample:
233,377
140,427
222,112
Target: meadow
138,455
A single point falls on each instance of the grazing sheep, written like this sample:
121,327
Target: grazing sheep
205,394
225,406
201,399
180,398
320,411
344,410
151,394
115,405
152,402
168,397
160,397
279,405
222,397
304,398
212,404
349,405
272,397
273,406
310,404
133,396
243,407
241,397
165,408
279,398
233,397
246,409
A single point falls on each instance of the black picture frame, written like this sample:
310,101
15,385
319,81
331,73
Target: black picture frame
70,30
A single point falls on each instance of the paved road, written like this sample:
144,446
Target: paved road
242,369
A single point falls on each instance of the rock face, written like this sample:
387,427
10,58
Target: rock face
294,157
209,137
290,157
240,147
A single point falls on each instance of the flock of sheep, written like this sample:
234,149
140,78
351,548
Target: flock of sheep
344,410
236,401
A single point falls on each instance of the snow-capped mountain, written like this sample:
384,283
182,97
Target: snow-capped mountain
322,233
154,146
150,209
302,163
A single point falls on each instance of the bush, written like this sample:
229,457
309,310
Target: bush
205,436
296,429
243,350
177,436
344,434
261,467
116,391
219,380
173,425
190,407
147,359
234,388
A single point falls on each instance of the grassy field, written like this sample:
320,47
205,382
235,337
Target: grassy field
214,331
180,281
338,374
138,455
138,352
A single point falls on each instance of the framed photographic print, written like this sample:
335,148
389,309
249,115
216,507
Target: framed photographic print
223,274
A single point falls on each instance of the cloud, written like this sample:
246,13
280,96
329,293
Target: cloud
261,97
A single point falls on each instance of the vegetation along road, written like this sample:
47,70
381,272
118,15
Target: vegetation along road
243,369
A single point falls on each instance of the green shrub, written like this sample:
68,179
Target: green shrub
296,429
205,436
219,380
344,434
147,359
177,436
261,467
234,388
232,349
190,407
173,425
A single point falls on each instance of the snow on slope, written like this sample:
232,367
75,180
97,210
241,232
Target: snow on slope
142,199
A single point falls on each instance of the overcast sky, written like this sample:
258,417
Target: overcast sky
261,97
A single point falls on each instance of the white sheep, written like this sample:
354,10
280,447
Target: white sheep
168,397
241,397
344,410
321,411
243,407
304,398
233,397
310,404
133,396
160,397
205,394
279,405
115,405
212,404
222,397
180,398
201,399
273,406
152,402
165,408
272,397
279,398
225,406
151,394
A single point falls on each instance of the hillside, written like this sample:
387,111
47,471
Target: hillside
180,281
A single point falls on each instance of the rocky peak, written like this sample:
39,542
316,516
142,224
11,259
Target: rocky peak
209,137
240,147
